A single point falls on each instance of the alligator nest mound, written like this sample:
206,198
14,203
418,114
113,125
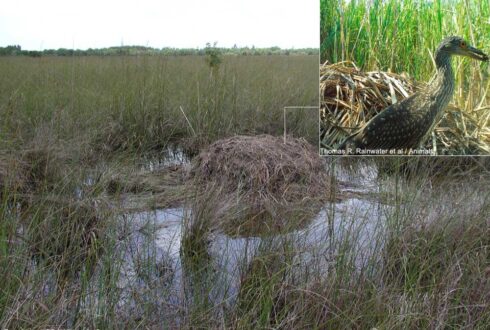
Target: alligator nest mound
260,183
351,97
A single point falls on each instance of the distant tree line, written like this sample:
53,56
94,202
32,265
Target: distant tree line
16,50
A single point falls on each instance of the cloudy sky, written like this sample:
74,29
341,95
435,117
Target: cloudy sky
38,25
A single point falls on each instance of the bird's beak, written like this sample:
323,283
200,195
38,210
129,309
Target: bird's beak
476,54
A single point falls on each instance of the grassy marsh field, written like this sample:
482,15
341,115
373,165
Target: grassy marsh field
100,229
76,132
145,103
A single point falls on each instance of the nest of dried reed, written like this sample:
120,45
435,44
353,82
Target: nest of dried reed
351,97
262,179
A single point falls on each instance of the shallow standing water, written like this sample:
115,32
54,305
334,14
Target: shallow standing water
155,271
153,246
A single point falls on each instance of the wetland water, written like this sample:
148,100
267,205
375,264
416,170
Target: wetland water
158,275
153,255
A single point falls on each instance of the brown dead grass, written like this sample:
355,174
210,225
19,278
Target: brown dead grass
12,174
30,170
68,232
262,178
143,189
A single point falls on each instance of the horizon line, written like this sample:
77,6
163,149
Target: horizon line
161,48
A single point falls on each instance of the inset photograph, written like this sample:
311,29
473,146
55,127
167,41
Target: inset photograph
404,78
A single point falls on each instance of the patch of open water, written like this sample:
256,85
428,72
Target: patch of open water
156,235
355,229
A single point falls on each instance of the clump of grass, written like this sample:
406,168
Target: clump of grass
430,251
198,266
448,262
197,230
12,175
31,171
68,233
51,246
335,302
44,168
260,284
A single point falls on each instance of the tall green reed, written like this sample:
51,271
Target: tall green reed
399,36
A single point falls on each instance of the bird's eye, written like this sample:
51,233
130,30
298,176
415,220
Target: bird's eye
463,44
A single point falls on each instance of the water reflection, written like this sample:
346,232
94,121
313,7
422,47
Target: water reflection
157,235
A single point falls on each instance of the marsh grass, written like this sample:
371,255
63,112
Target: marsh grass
433,271
72,136
398,36
52,243
148,103
260,283
69,258
424,261
62,116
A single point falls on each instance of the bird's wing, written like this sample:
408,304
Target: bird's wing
394,127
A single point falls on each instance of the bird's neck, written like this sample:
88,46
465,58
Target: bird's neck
443,85
443,59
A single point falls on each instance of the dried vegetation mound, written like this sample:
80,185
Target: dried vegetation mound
351,97
264,174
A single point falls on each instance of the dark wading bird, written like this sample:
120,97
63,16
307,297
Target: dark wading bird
407,124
